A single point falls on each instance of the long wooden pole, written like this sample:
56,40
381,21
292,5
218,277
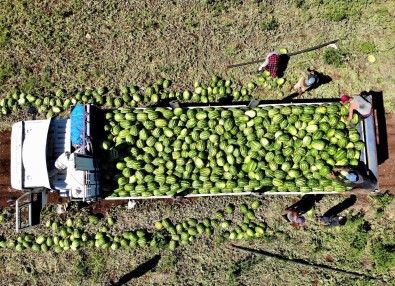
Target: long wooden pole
290,54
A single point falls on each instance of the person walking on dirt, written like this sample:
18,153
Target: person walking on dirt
305,82
271,64
358,104
354,178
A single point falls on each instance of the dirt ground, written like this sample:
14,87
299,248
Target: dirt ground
5,161
6,192
386,156
387,168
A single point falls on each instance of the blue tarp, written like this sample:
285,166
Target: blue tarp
77,125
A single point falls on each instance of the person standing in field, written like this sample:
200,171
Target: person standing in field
271,64
332,221
294,213
294,217
305,82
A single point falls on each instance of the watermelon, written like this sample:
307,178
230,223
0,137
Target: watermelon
277,182
371,58
340,154
280,81
312,128
318,144
282,51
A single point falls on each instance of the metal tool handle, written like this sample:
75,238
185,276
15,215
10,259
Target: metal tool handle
290,54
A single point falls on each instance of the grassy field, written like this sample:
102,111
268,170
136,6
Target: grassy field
46,45
364,246
76,44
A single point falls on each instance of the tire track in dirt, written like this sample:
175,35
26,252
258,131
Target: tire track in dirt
5,144
5,161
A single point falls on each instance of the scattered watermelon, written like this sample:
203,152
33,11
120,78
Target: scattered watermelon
283,51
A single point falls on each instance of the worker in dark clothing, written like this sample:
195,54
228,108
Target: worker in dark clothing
330,218
355,178
334,220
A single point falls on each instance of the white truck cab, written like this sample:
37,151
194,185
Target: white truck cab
53,155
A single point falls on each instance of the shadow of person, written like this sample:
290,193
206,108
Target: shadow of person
305,204
322,79
182,194
288,98
362,167
341,206
282,65
381,129
139,271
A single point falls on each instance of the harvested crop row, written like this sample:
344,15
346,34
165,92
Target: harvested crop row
133,96
93,232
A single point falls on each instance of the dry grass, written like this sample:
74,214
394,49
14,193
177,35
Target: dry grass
92,44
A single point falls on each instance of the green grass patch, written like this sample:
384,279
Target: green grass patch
336,13
383,200
333,57
383,256
366,47
341,10
299,3
241,267
7,70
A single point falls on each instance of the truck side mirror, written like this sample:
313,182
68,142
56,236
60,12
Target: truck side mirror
33,111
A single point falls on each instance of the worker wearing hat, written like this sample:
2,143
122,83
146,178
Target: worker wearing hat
294,217
305,82
359,104
354,178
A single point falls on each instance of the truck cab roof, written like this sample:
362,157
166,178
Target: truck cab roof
33,150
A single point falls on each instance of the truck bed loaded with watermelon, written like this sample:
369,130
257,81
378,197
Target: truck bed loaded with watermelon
191,151
197,151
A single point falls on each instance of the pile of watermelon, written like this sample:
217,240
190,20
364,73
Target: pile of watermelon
72,235
52,104
187,231
218,89
93,232
283,148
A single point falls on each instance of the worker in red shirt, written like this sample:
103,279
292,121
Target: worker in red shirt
271,64
358,103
